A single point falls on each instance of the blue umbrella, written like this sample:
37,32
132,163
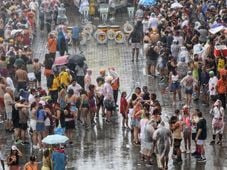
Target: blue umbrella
55,139
147,3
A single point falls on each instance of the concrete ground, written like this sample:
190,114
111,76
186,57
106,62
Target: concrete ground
109,147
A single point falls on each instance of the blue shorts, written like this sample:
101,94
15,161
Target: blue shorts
175,86
189,91
134,123
73,109
40,127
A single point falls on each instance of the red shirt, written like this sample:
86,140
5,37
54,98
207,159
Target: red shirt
123,105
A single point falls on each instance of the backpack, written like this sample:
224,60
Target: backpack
76,33
50,80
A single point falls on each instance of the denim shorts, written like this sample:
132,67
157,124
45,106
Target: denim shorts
40,126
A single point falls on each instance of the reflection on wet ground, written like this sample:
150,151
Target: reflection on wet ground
109,147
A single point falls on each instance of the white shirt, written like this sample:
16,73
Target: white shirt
212,85
175,78
153,23
218,113
75,88
9,82
107,91
31,98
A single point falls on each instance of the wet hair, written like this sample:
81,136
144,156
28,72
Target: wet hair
200,114
156,111
174,72
32,105
147,114
134,97
145,88
173,119
146,106
46,153
70,91
91,87
123,93
153,96
138,88
177,111
32,158
36,60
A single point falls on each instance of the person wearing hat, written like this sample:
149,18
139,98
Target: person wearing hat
52,45
175,48
153,22
13,158
64,77
218,113
212,86
188,83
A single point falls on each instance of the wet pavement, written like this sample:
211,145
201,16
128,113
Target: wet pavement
109,147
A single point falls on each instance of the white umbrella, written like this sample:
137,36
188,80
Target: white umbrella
14,32
176,5
217,29
55,139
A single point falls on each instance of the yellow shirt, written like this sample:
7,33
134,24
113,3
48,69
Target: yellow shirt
64,78
55,84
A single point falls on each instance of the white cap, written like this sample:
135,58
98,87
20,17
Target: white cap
14,148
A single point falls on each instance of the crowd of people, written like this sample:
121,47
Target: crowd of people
182,50
179,49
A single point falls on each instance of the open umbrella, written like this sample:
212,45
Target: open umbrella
147,3
61,60
217,29
55,139
76,59
16,31
176,5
